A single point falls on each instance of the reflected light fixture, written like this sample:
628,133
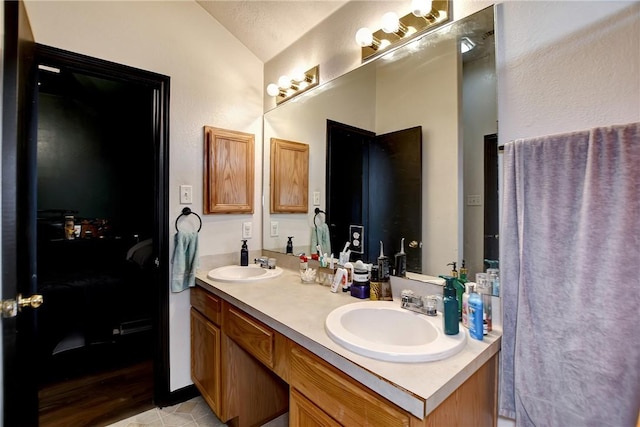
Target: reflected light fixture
299,82
466,44
425,15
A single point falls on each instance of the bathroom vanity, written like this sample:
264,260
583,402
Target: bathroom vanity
259,350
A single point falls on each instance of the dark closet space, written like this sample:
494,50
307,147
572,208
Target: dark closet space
95,219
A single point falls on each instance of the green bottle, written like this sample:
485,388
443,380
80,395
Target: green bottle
450,322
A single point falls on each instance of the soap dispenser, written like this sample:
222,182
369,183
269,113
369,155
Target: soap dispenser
244,254
451,325
401,261
458,286
290,245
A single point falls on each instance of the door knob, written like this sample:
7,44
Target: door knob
11,307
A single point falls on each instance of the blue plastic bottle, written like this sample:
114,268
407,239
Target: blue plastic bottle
450,322
474,315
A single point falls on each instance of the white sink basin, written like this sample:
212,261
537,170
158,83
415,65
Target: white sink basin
384,331
236,273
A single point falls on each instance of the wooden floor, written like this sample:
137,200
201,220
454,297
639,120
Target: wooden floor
98,399
97,385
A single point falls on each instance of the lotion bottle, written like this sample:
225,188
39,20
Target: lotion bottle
450,323
289,245
475,314
244,254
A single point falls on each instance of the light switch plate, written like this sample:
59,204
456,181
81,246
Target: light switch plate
274,229
186,194
247,230
474,200
316,198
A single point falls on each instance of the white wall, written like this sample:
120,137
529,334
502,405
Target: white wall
215,81
566,66
433,74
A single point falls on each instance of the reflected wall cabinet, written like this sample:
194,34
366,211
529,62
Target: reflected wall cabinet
289,176
228,171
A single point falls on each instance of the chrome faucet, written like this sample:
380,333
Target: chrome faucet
262,261
412,302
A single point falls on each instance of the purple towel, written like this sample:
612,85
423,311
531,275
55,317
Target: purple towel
570,279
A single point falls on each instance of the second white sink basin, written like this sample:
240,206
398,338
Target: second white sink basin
384,331
237,273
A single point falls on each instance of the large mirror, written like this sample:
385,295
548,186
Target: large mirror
434,84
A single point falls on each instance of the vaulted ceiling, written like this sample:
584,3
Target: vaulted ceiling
267,27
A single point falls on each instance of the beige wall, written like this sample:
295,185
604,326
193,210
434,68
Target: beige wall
215,81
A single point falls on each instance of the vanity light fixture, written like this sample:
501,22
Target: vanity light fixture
288,87
425,15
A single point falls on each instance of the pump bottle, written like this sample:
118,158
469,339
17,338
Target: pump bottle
244,254
451,325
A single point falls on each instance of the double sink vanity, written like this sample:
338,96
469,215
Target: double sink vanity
262,347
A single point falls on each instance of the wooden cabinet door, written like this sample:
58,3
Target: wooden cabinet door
205,359
303,413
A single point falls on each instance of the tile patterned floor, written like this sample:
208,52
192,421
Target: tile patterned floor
192,413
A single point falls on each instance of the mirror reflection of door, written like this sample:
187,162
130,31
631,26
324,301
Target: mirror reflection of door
376,182
491,208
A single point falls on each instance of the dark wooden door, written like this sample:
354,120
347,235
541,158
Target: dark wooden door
491,206
20,393
347,183
395,194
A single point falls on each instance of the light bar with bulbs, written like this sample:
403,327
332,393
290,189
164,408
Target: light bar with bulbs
290,86
425,15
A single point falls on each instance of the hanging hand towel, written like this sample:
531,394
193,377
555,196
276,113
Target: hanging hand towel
320,236
569,256
184,261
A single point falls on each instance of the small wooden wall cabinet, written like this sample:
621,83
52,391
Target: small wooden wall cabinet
249,374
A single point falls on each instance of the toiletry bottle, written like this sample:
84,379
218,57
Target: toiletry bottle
374,284
244,254
383,263
451,325
289,245
465,305
350,270
459,287
304,263
463,272
401,261
493,276
475,314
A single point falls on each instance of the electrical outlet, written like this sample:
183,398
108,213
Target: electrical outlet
274,229
316,198
356,238
186,194
474,200
246,230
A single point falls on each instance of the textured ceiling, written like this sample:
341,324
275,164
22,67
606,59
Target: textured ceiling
266,28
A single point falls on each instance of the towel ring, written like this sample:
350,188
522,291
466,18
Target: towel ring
186,212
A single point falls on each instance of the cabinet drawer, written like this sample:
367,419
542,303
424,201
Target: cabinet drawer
250,334
206,303
339,396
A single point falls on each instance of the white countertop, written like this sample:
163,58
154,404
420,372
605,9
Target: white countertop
298,311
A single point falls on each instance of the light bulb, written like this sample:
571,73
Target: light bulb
298,75
421,7
284,82
390,22
364,37
273,89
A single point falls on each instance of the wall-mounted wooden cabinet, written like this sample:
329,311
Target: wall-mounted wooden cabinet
289,176
228,171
